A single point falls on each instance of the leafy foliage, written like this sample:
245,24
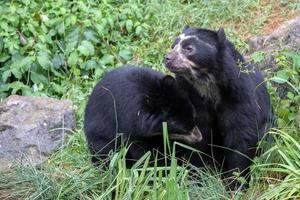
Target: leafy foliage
45,43
288,87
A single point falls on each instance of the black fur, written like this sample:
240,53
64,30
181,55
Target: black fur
135,101
233,107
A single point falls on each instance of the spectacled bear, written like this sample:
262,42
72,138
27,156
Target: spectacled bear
233,107
135,101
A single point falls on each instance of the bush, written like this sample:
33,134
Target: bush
45,45
42,43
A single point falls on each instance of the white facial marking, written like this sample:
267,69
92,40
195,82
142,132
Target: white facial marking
178,49
206,88
207,44
183,37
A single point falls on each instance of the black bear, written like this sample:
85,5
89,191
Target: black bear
233,107
135,101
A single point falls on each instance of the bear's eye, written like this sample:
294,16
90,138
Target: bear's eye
189,48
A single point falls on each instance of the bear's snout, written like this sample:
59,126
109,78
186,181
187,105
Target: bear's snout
172,62
169,58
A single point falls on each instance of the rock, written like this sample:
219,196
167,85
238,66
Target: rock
287,36
32,128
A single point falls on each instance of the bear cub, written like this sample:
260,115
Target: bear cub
233,101
135,101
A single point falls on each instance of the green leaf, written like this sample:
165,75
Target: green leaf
71,46
6,75
102,29
86,48
58,60
71,20
281,77
73,36
61,28
58,88
43,60
38,78
138,30
126,54
75,71
90,64
290,95
12,9
258,56
283,112
21,63
16,73
4,26
296,60
98,72
110,21
17,86
1,44
56,73
73,58
3,88
90,35
129,25
25,63
107,59
4,57
295,56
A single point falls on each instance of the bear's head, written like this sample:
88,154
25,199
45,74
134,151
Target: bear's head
176,109
199,55
195,52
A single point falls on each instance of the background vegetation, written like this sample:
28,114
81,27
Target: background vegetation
62,48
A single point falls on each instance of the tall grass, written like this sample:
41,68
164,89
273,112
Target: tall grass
70,175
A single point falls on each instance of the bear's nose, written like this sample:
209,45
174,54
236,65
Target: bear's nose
168,57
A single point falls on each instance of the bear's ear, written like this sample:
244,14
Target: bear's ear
167,82
221,35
